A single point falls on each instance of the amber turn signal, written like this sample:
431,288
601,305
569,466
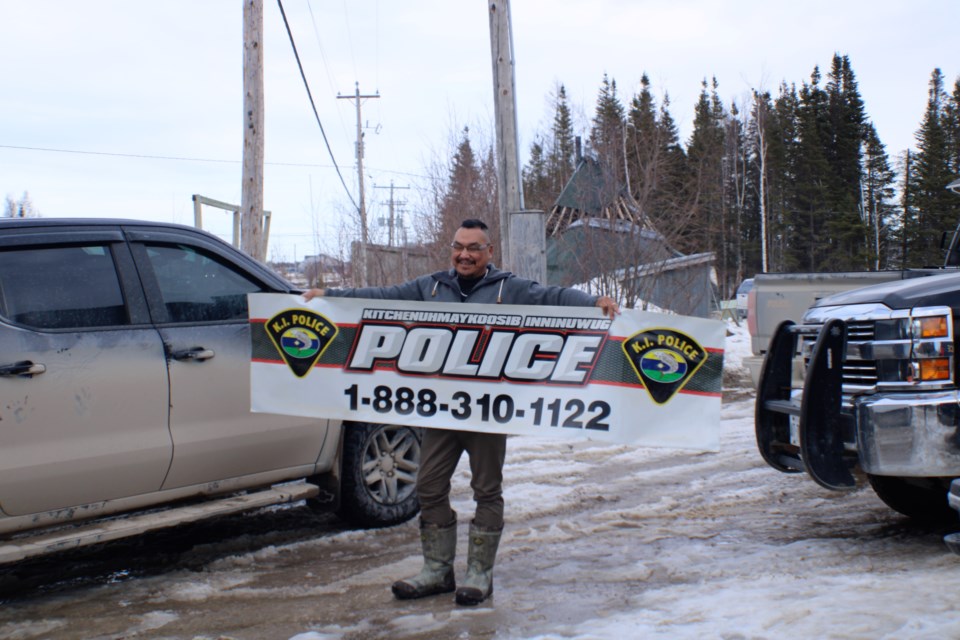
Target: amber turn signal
935,369
930,327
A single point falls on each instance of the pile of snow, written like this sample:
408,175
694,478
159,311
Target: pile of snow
737,347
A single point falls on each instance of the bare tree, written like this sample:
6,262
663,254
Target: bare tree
461,184
22,208
761,144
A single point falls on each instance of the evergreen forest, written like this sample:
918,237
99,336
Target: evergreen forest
795,180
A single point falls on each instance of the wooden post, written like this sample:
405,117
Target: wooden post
509,186
528,232
251,198
199,200
197,212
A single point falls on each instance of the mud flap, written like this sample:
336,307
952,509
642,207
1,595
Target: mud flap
774,405
821,425
328,484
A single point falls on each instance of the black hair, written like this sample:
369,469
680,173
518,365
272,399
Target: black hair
473,223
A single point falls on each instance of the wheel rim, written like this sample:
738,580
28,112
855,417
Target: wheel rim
390,464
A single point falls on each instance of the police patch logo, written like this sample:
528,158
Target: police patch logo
664,360
301,336
663,366
300,343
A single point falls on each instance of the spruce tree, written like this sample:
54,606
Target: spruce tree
644,146
936,209
877,196
607,132
843,140
783,180
704,156
671,199
470,191
552,157
561,158
537,189
951,125
811,246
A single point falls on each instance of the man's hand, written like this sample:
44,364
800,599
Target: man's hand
609,306
310,294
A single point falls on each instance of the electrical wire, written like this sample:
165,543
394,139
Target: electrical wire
149,156
326,65
314,106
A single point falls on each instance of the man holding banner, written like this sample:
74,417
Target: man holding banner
472,279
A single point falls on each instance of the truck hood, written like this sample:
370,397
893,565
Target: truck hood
920,289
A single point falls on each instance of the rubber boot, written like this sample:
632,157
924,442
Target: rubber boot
481,553
439,549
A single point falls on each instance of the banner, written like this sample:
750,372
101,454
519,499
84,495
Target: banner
642,378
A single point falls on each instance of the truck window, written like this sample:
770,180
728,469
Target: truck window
62,287
195,287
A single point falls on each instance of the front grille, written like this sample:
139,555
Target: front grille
860,330
857,373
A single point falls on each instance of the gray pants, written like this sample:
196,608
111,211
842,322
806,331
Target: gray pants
440,452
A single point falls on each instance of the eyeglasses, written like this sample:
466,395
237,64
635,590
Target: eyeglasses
471,248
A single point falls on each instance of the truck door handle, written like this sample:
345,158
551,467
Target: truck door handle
198,353
25,368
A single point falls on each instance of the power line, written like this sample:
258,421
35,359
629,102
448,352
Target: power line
323,58
151,156
313,105
121,155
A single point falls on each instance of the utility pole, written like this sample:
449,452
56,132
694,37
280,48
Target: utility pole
363,207
505,111
522,233
393,222
251,197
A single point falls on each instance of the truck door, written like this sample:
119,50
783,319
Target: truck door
83,381
199,302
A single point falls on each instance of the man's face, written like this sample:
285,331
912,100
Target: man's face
471,252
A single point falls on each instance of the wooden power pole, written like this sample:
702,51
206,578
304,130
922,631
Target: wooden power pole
393,221
251,197
363,206
522,233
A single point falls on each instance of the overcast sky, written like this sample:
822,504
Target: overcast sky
125,109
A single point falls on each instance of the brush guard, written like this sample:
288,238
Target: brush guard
821,428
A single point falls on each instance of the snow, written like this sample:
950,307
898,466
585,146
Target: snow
737,347
602,542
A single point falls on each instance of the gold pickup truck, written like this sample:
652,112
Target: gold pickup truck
125,394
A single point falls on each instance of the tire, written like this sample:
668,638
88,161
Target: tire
923,499
379,476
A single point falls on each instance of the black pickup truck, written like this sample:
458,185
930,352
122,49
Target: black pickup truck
125,394
880,394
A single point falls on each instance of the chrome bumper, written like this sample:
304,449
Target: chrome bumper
909,434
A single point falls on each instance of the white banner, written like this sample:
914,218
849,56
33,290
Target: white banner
643,378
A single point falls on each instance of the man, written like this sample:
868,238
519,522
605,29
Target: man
472,279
